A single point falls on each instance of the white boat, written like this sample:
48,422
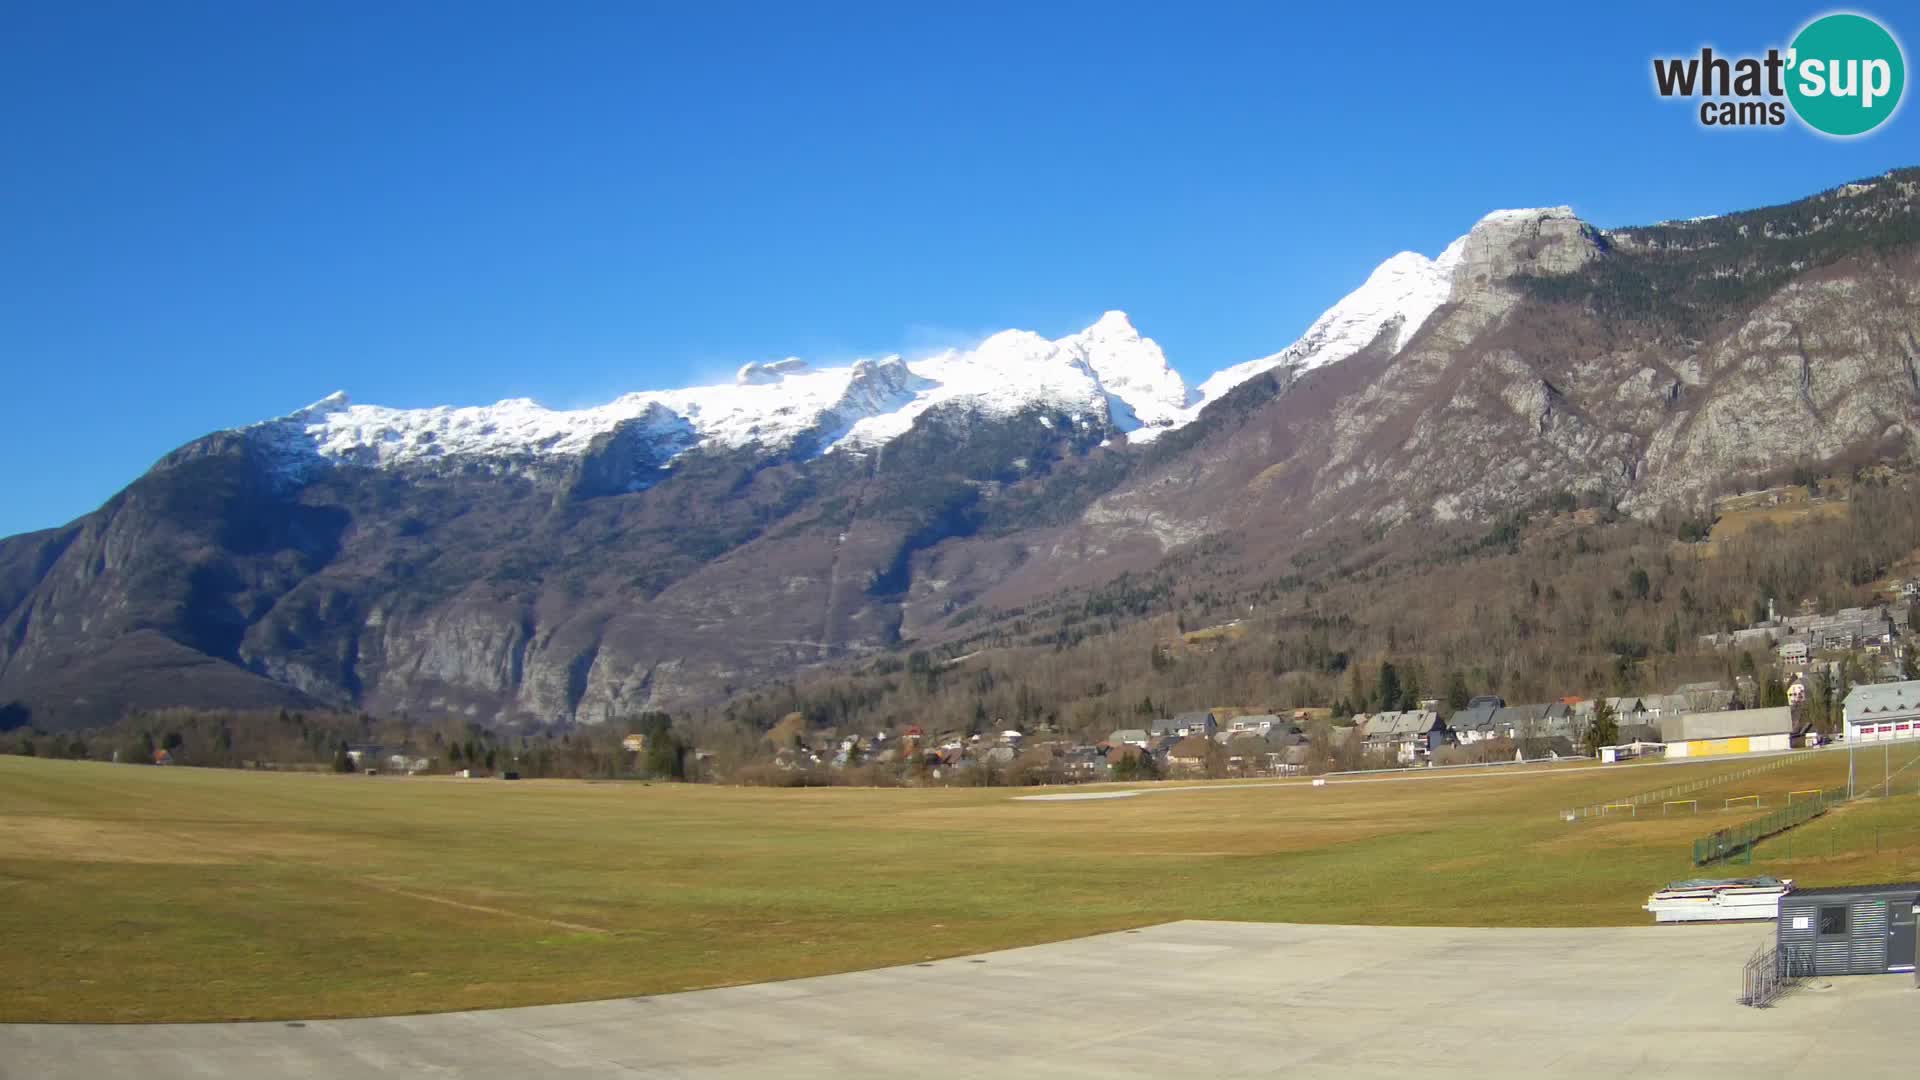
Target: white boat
1719,899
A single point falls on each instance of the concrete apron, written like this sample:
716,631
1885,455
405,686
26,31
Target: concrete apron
1185,999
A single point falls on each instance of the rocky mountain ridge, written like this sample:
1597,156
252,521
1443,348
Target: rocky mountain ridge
512,563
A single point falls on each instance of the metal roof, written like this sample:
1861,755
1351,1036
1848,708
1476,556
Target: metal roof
1473,718
1850,890
1728,724
1411,722
1871,702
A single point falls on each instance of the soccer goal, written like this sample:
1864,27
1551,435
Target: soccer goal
1813,791
1632,811
1750,800
1692,805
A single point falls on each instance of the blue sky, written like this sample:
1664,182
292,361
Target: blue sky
215,213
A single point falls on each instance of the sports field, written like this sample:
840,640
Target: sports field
144,894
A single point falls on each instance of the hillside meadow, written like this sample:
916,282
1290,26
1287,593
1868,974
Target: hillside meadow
140,894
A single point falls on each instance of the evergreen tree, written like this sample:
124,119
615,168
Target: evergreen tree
1387,687
1775,695
1413,689
665,754
1820,704
1603,729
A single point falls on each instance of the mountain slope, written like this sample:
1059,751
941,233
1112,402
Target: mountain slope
515,563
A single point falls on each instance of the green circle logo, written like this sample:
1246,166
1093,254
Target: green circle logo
1846,74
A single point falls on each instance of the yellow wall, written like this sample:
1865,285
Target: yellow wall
1712,747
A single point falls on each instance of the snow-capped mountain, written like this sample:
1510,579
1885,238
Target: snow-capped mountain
1397,298
1107,374
556,570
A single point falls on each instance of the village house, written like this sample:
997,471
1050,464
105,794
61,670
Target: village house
1294,760
1246,751
1409,736
791,758
1129,737
1628,710
1545,721
998,755
1474,724
1259,723
1085,762
407,763
1551,729
1256,752
1201,723
363,755
1190,754
1282,742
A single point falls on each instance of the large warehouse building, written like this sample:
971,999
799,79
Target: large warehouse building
1883,711
1736,731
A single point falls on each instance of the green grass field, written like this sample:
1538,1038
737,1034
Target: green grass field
131,894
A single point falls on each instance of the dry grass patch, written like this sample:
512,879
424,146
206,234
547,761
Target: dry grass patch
142,894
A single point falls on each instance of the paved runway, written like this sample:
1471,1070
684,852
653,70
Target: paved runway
1186,999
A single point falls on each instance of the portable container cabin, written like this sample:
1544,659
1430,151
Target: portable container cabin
1848,929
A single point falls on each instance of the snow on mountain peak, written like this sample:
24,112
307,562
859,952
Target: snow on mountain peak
1535,213
1132,369
1107,373
755,374
331,403
1397,297
1113,325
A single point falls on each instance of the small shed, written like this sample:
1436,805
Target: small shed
1848,929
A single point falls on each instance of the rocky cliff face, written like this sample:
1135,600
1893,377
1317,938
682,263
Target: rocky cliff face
1649,366
514,564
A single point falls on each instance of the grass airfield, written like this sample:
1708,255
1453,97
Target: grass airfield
146,894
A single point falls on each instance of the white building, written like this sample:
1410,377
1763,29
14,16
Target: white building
1735,731
1883,711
